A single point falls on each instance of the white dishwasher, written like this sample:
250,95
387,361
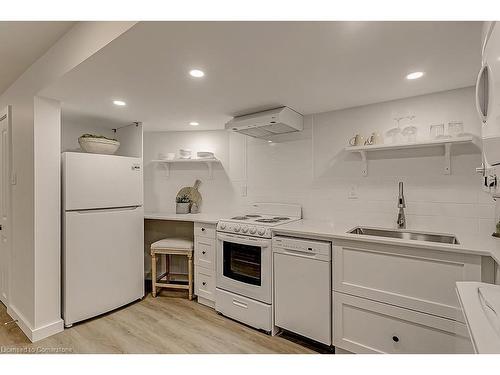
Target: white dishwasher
302,287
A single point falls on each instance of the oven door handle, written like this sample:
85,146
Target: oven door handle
244,240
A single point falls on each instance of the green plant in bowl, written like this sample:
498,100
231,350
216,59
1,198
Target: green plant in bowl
183,199
87,135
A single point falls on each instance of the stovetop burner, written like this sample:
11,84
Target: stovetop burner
259,219
267,220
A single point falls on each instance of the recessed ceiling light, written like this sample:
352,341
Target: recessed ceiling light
194,123
196,73
415,75
120,103
269,141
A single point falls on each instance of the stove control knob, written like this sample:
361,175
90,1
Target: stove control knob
237,228
244,229
222,225
253,230
261,231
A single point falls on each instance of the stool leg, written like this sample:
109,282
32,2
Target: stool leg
190,276
167,267
153,274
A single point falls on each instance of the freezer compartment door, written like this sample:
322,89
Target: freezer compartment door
101,181
103,261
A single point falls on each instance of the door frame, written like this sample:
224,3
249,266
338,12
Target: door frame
6,115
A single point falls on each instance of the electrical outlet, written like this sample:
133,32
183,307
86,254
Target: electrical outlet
353,192
244,190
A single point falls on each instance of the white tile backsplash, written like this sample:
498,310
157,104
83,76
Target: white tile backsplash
311,168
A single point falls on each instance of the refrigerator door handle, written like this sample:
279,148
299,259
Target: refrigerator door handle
111,209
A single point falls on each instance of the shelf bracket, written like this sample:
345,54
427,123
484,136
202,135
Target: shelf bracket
447,158
364,163
166,166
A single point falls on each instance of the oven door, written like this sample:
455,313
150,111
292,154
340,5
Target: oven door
244,266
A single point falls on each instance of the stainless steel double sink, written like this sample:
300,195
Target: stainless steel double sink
406,235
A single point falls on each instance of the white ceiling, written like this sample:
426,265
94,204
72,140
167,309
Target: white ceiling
22,43
309,66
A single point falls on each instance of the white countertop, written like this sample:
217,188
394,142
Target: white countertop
484,336
198,218
476,245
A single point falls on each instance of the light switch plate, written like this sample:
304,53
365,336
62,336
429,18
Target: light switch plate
353,192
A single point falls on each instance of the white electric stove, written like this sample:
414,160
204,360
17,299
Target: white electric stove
259,220
244,263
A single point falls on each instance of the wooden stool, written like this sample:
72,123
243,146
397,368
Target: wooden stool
167,247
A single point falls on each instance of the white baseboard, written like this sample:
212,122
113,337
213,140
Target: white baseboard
342,351
35,334
206,302
48,330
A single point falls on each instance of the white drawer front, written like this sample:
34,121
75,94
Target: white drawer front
204,252
245,310
364,326
204,283
413,278
205,230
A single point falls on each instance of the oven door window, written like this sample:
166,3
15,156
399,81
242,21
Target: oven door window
242,263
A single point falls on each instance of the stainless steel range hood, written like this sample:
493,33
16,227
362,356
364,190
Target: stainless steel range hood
268,123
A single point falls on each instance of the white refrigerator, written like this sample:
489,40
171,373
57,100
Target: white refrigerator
103,234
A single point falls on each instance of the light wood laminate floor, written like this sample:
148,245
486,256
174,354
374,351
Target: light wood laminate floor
166,324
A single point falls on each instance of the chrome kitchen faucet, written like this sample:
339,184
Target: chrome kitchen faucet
401,205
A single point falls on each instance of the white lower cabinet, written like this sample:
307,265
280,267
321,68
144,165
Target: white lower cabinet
365,326
204,263
204,284
400,299
204,254
417,279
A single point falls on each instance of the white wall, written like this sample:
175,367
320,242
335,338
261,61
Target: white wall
47,135
312,169
130,138
449,203
83,40
160,192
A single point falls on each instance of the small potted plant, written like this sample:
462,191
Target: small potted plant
497,232
182,204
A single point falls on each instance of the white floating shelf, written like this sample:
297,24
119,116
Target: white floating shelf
208,162
446,143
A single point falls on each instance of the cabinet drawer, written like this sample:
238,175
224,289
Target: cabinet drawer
204,283
205,230
245,310
414,278
204,252
364,326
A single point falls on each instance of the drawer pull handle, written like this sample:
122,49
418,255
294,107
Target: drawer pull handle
240,304
203,252
203,229
395,338
204,283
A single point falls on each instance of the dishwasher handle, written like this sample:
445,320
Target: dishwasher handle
302,254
